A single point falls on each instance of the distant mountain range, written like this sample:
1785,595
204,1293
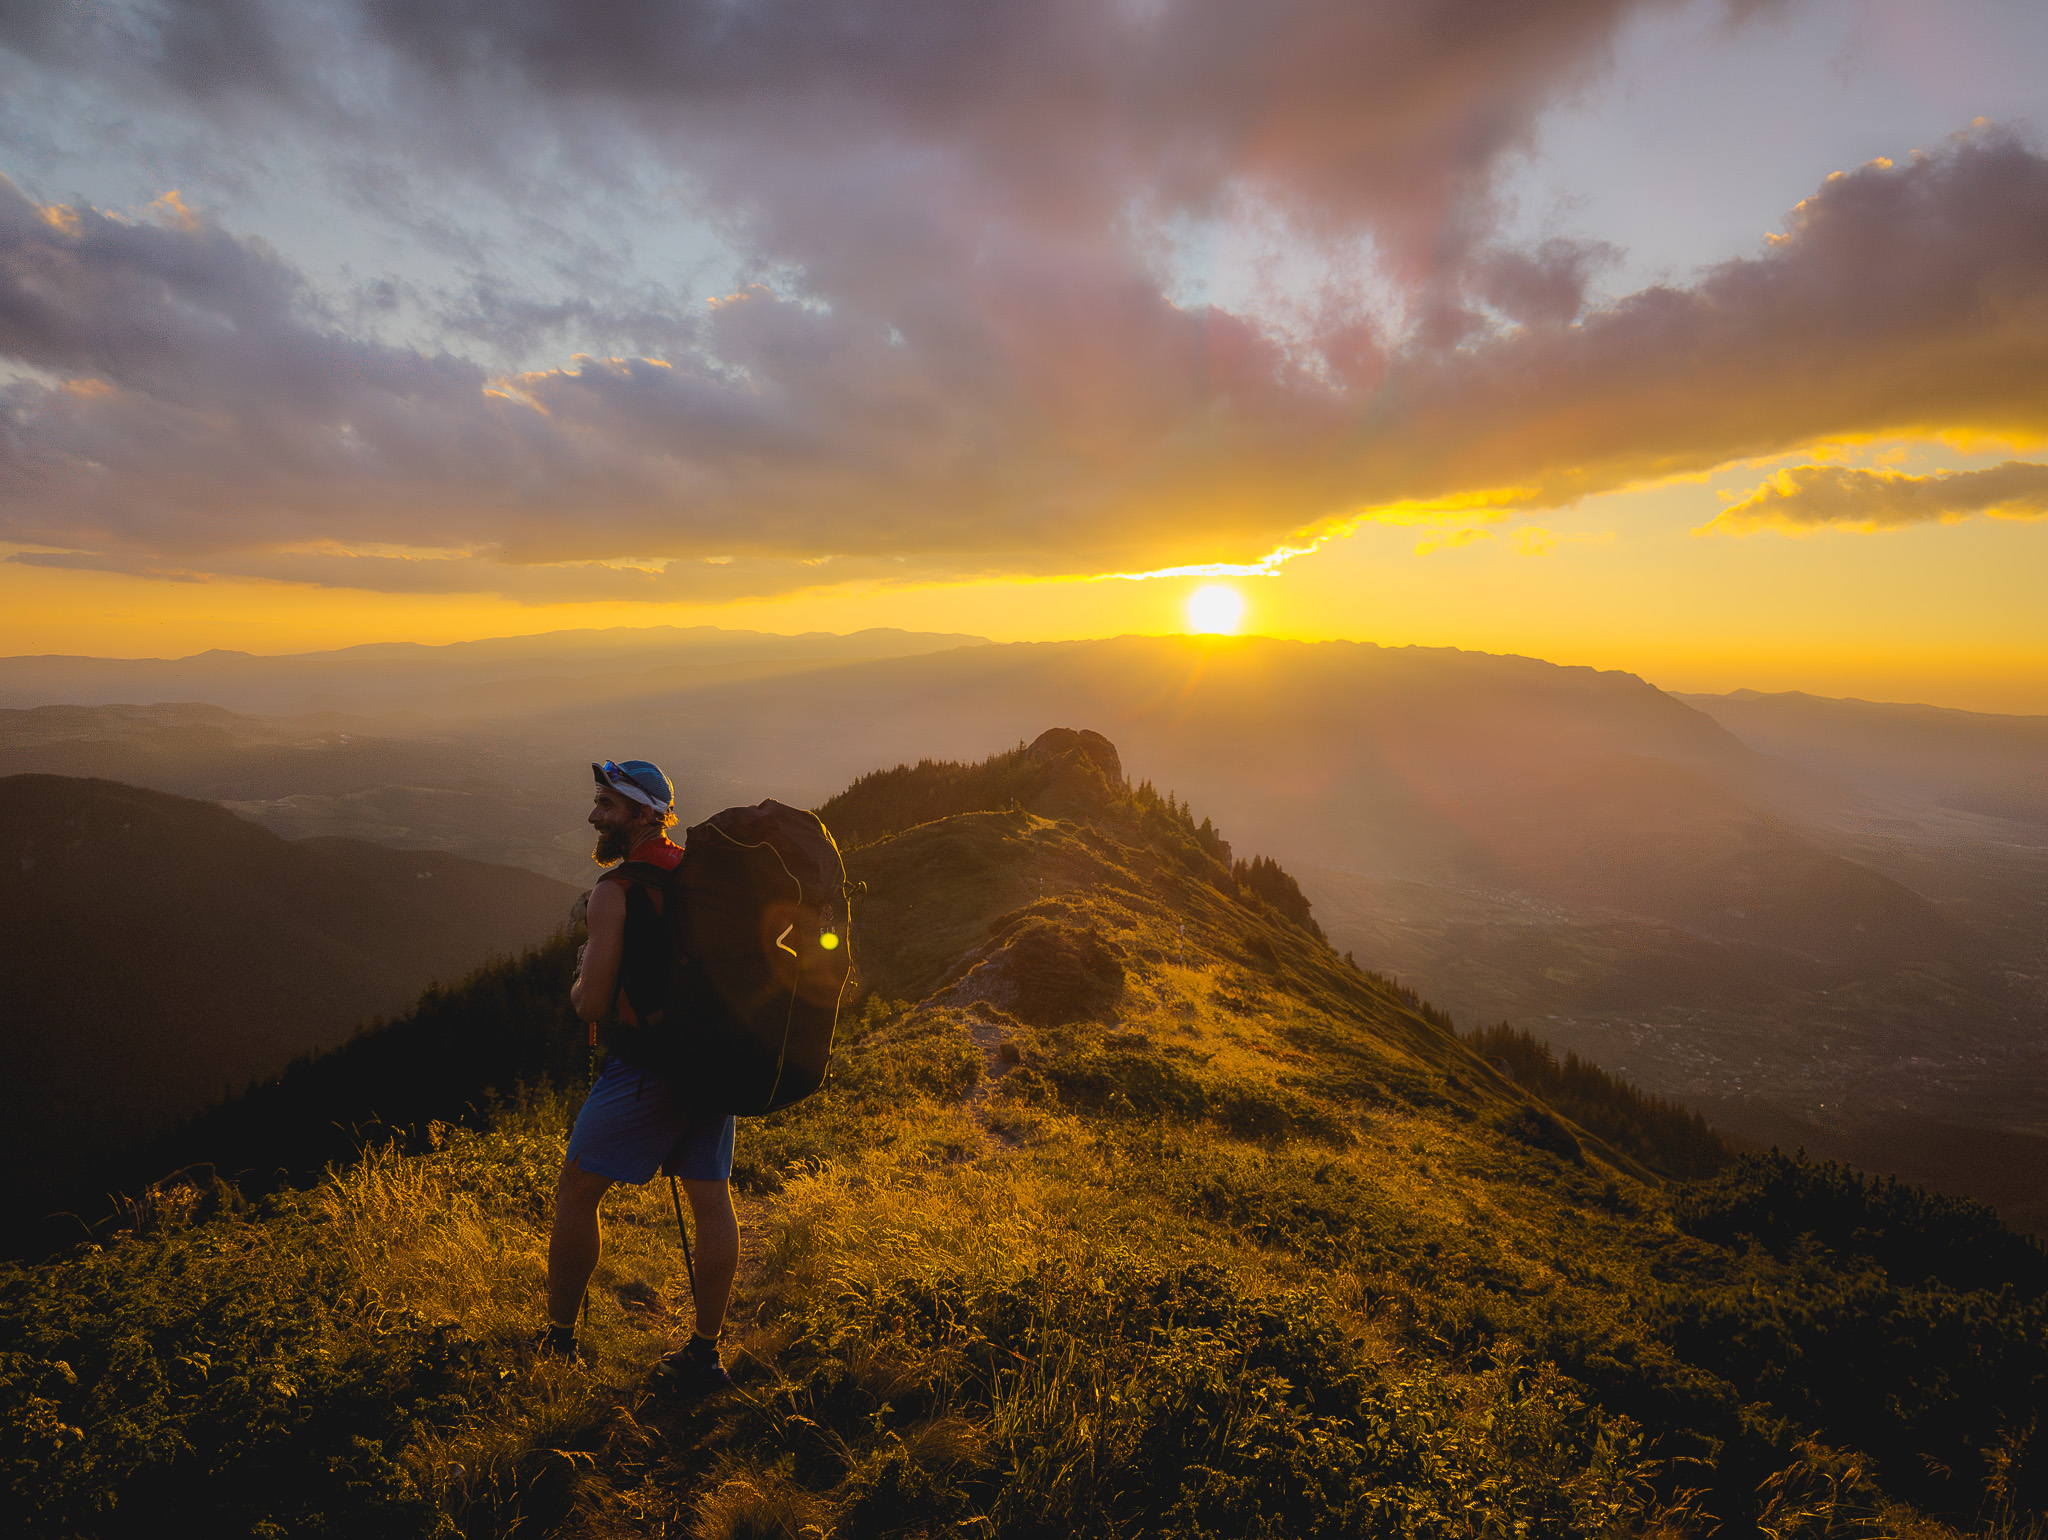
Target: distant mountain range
160,952
1969,761
461,679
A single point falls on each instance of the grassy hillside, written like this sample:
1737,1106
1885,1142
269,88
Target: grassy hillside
1129,1208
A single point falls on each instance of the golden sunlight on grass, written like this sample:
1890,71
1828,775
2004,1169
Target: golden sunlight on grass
1216,608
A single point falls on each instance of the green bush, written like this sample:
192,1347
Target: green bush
1128,1075
1907,1325
1540,1131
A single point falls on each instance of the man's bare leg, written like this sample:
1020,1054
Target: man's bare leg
718,1251
573,1243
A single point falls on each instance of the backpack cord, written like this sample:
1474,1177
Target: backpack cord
689,1263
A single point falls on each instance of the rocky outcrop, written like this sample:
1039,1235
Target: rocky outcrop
1048,970
1081,772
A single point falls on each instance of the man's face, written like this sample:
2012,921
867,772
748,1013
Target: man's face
621,823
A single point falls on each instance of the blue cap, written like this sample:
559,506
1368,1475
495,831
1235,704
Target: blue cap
638,779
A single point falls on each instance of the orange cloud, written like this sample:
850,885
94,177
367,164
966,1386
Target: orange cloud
1810,497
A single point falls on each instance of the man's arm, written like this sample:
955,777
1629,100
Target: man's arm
598,982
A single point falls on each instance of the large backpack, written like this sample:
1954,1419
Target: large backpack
759,953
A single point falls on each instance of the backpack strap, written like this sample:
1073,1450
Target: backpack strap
644,872
660,894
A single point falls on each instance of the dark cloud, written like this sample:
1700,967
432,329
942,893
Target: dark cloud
211,51
1836,497
1544,285
1342,115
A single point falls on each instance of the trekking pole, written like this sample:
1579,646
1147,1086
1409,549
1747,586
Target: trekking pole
689,1263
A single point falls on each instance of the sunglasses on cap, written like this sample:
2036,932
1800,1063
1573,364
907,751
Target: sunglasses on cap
639,780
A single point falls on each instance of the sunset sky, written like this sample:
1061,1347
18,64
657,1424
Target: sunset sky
1706,339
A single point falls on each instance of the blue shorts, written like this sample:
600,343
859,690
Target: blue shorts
630,1127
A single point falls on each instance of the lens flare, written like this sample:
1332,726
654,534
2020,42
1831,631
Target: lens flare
1216,608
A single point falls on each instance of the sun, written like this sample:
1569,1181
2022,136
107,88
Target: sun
1217,608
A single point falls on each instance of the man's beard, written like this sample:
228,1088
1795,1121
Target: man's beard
614,845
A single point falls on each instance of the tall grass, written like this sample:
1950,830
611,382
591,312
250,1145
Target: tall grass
458,1234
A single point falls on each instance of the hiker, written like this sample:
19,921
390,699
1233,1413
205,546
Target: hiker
632,1126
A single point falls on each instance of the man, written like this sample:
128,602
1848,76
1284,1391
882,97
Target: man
631,1126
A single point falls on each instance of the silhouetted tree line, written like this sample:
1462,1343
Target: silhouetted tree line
1661,1134
1165,808
886,802
1397,990
1269,880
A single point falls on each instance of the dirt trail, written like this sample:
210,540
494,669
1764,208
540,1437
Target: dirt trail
989,1037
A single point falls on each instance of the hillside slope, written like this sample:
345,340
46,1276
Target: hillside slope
1625,870
161,952
1129,1208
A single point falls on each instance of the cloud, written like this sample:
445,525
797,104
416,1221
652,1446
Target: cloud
1058,110
1547,284
1901,300
953,347
1808,497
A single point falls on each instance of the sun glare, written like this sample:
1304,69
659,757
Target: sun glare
1215,607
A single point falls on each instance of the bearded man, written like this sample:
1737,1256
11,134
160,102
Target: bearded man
632,1126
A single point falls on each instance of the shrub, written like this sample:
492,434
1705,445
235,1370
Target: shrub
1540,1131
1051,972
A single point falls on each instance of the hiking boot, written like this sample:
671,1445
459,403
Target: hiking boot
693,1371
558,1342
